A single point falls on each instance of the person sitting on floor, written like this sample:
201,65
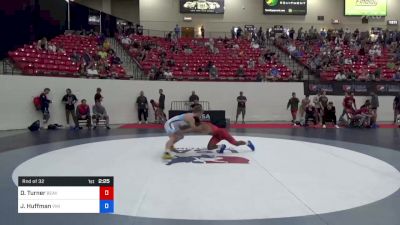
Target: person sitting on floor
83,113
329,115
311,114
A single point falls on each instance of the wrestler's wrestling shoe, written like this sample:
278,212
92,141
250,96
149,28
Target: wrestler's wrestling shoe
222,149
251,146
167,156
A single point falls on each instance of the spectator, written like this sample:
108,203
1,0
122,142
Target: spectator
161,100
396,76
70,100
168,74
293,103
251,64
42,44
51,47
213,72
241,107
329,115
83,113
374,108
100,113
202,31
340,76
177,31
396,108
75,57
233,33
98,96
143,107
274,73
194,97
240,71
259,77
44,104
304,104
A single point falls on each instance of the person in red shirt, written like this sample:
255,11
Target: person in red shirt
83,113
218,135
349,104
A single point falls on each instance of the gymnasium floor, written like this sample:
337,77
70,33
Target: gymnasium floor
295,176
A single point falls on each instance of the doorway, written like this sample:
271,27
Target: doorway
188,32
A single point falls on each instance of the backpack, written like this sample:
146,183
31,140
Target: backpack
35,126
37,102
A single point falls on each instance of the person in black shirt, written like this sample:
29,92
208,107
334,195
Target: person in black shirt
142,105
161,101
241,107
44,104
69,100
396,108
98,95
329,115
194,97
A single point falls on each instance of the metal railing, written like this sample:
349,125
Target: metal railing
186,105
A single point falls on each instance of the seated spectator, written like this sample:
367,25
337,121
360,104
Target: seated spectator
259,76
102,53
371,76
363,76
378,73
329,115
126,40
42,44
51,47
261,60
61,49
100,113
75,57
348,61
396,76
188,51
83,113
106,45
274,73
185,67
251,64
340,76
168,74
213,72
351,75
240,71
114,59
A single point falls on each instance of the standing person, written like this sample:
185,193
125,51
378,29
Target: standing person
70,100
396,108
44,105
83,113
177,31
304,103
100,113
143,107
161,101
177,126
349,104
329,115
241,106
194,97
202,31
317,106
158,115
293,103
98,96
374,108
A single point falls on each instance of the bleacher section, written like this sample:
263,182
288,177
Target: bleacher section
363,65
226,61
32,61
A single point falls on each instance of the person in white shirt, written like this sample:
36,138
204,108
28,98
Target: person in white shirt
348,61
340,76
126,40
168,74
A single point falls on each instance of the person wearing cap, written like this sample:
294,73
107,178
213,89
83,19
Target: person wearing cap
329,115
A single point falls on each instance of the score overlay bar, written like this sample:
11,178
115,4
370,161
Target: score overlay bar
65,195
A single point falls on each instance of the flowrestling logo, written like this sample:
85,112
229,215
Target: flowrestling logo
205,156
272,2
366,2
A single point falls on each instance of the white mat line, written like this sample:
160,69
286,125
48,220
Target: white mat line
288,190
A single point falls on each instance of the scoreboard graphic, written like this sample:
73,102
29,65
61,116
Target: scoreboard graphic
66,195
